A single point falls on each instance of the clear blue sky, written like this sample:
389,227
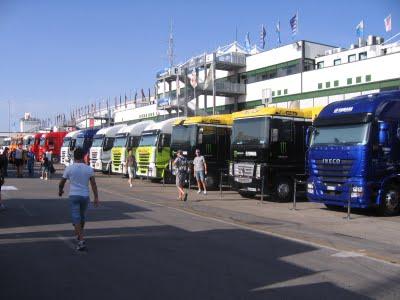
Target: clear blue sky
57,55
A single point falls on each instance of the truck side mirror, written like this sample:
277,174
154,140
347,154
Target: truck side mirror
309,133
383,134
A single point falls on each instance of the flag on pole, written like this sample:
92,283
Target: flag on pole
126,105
278,31
135,96
360,29
120,100
247,41
294,24
388,23
143,96
262,36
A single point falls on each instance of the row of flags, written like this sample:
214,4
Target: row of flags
387,22
294,27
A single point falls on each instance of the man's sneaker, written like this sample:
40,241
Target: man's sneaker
130,185
205,192
81,246
199,191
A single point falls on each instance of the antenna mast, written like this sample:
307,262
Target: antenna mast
170,52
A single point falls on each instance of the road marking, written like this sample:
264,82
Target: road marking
265,232
9,188
346,254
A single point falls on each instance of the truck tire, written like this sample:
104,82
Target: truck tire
390,202
283,190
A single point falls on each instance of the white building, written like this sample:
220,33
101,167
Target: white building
29,124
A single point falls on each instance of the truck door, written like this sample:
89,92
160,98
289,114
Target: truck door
281,140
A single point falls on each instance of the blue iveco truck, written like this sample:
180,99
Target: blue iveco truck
355,154
84,141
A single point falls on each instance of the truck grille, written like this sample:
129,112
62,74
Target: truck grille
144,157
116,159
93,159
332,173
63,156
244,170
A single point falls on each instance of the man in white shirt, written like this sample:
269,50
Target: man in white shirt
79,174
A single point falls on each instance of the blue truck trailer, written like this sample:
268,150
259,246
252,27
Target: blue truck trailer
354,154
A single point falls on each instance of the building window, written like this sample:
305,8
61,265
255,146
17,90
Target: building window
358,79
273,93
337,62
279,92
327,84
352,58
368,78
320,65
285,91
349,80
362,55
319,86
336,83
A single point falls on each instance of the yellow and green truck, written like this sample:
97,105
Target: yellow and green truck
153,152
126,139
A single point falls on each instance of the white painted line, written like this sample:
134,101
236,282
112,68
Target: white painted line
9,188
346,254
265,232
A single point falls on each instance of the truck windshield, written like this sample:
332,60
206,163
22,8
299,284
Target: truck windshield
252,131
42,141
120,141
148,140
66,142
97,142
352,134
184,135
79,142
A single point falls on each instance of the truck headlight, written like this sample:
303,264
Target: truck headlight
357,191
231,169
258,171
310,188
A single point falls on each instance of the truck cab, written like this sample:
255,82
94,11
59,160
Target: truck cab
68,147
153,152
36,145
28,141
211,135
6,143
100,152
127,139
354,154
52,141
268,144
84,141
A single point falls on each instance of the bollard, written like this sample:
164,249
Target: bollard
220,186
348,208
262,189
294,194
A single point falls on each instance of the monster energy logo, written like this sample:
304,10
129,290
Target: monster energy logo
283,146
208,148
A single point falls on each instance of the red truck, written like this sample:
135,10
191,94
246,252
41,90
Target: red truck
51,141
36,144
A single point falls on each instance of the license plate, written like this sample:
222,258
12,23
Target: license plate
251,189
331,188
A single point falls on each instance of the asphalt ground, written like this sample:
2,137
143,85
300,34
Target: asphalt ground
144,244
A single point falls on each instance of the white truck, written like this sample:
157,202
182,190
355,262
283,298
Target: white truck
68,147
28,141
100,152
127,139
6,144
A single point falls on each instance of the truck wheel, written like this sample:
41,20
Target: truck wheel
283,190
390,202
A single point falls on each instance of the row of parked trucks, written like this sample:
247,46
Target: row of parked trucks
346,152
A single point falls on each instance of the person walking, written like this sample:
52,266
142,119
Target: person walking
200,171
131,165
181,166
30,161
45,168
79,174
19,160
3,158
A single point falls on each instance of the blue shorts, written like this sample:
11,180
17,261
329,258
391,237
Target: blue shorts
199,175
79,205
